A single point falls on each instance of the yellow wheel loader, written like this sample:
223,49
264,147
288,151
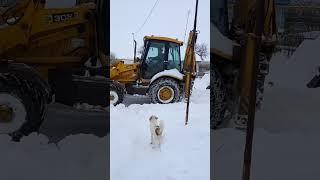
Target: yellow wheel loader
159,72
50,54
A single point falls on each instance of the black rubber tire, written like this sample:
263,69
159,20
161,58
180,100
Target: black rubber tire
117,88
157,84
217,99
32,99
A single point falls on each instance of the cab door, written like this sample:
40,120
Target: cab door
154,59
174,58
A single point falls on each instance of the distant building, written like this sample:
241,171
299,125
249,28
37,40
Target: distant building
280,12
297,21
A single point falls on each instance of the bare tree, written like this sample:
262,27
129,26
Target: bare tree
201,50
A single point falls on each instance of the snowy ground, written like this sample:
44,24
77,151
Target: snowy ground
286,141
73,144
80,157
185,152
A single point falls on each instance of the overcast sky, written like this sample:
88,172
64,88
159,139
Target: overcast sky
169,19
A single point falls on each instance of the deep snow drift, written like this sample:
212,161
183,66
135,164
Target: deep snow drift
290,104
185,154
286,140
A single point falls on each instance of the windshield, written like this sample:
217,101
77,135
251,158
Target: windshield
174,59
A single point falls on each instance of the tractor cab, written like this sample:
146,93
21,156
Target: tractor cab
159,54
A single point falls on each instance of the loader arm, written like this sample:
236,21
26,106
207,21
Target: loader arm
257,47
189,64
257,21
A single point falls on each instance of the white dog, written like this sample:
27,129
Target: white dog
156,130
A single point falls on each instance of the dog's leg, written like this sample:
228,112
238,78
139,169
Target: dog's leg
151,139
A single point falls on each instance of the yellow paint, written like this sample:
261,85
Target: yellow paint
163,39
39,41
124,73
165,94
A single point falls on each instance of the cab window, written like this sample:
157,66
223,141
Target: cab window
174,58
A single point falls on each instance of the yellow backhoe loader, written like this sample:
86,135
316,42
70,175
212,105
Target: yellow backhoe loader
50,54
159,73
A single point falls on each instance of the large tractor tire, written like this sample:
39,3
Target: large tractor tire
22,106
164,91
117,92
217,99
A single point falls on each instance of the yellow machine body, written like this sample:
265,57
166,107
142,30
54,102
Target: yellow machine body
130,73
47,38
